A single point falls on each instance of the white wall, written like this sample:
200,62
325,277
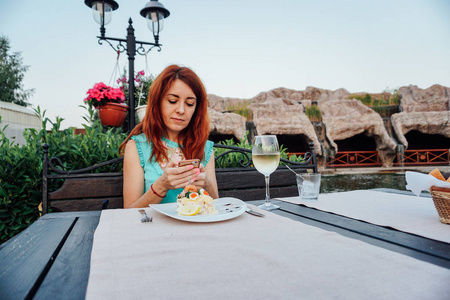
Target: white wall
17,118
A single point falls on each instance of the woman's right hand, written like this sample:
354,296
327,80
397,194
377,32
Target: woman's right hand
175,177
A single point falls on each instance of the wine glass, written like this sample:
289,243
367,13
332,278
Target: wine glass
266,157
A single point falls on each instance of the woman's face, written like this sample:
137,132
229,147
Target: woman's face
177,108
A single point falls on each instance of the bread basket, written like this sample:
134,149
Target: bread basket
441,199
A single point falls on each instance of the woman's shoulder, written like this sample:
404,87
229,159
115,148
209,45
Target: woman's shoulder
140,138
143,147
142,143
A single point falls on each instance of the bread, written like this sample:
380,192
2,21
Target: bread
437,174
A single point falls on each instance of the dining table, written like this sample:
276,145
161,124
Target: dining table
362,244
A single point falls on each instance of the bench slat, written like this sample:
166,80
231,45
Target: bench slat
79,188
85,204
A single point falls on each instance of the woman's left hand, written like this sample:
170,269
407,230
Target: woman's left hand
206,178
201,178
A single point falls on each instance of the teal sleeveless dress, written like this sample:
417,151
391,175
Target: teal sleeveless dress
152,170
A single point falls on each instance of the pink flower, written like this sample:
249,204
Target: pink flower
100,86
138,76
95,94
101,94
122,80
108,94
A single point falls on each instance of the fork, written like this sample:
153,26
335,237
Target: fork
145,218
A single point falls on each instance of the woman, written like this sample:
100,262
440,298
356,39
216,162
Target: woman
175,127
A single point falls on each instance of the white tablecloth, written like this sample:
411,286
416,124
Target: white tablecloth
248,258
411,214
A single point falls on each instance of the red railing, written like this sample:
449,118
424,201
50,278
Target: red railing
354,159
423,157
371,158
351,159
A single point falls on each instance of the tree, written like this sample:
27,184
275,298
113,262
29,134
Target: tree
12,73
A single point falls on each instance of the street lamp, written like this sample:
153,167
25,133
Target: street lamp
154,12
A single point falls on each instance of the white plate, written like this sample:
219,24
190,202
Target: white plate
170,209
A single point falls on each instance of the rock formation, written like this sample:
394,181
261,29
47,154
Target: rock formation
346,118
434,98
433,122
310,93
223,104
282,111
425,110
227,123
281,116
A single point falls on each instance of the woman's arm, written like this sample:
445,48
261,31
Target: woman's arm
133,180
211,177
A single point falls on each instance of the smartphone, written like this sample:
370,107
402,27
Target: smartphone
194,162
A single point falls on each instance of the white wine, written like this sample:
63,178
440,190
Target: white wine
266,163
266,157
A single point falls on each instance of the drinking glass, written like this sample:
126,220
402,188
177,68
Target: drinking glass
266,157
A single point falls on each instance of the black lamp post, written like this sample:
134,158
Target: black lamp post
154,12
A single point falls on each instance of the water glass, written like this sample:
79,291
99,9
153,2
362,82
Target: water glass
308,186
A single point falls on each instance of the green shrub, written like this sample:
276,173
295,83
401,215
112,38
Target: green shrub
21,166
368,100
241,109
394,98
19,186
232,160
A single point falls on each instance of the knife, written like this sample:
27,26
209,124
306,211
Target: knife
252,212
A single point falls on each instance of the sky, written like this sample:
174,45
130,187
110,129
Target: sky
238,48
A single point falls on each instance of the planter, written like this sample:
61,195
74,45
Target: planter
112,114
140,111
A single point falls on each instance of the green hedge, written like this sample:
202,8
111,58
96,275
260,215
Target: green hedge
19,186
21,166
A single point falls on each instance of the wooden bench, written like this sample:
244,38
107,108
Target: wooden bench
83,190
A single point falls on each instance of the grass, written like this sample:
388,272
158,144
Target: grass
369,100
241,109
313,112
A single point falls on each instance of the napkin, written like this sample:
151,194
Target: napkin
418,182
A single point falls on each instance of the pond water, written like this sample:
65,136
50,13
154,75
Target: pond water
349,182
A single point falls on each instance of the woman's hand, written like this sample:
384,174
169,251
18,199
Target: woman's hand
200,180
175,177
206,178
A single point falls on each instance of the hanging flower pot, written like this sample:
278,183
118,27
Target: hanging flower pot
110,103
140,111
112,114
143,84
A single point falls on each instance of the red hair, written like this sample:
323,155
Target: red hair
192,139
